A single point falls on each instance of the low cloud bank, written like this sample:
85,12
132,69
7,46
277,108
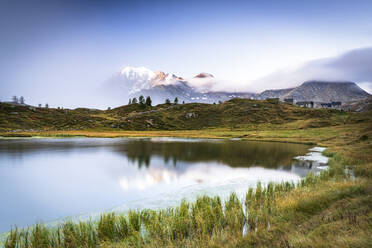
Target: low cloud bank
354,65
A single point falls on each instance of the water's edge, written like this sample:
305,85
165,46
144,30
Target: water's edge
315,156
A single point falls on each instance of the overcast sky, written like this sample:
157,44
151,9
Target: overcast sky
60,52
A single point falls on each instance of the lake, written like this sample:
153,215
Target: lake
51,179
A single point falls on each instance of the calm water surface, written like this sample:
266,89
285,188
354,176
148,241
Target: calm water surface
49,179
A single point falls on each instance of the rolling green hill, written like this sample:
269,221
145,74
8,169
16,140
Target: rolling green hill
231,114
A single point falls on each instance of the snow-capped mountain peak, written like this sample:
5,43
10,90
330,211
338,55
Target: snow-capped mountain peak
161,78
141,78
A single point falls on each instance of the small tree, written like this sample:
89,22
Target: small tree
148,101
22,100
108,108
176,100
15,99
219,102
130,102
183,102
39,105
134,100
167,101
46,105
141,100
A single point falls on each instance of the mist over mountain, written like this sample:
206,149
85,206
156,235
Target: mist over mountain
133,82
354,66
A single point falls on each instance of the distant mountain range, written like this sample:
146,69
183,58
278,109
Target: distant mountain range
135,81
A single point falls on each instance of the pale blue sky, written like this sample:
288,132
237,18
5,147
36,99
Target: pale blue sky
62,51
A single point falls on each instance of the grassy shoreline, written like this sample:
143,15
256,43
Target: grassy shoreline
141,134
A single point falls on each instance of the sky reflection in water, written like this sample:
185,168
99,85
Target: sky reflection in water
48,179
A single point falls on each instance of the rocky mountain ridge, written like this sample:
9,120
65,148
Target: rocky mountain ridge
319,91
